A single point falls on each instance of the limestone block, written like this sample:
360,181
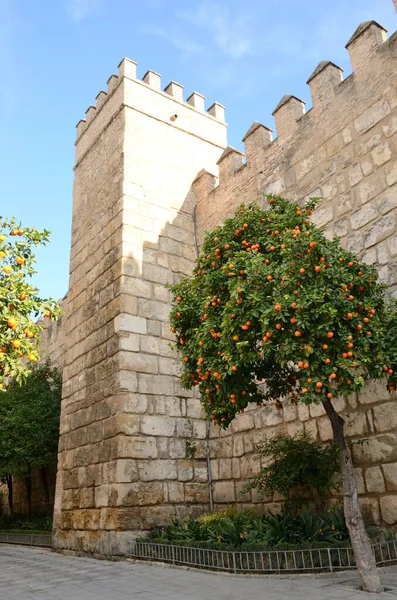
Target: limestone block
355,424
243,422
236,469
193,408
199,429
225,468
390,473
364,215
177,448
241,494
175,491
238,445
374,391
200,471
290,412
385,416
185,470
250,466
196,493
371,116
311,429
303,412
130,323
381,154
129,342
184,428
391,173
86,497
127,424
316,410
139,493
378,449
157,470
388,507
161,384
224,491
324,429
157,425
295,428
355,174
380,230
133,447
374,480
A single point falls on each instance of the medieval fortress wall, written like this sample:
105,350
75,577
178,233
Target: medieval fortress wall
134,448
345,150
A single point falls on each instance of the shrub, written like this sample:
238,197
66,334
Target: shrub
299,468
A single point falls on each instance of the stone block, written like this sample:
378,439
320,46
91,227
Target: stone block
224,491
385,416
139,493
157,425
139,362
374,391
130,323
324,429
355,424
157,470
185,470
197,493
374,480
378,449
161,384
134,447
177,448
363,216
380,230
388,507
390,473
127,424
225,468
243,422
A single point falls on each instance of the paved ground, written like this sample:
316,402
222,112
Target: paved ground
33,573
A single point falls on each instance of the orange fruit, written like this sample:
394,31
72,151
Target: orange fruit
332,376
22,296
298,334
15,343
313,244
32,357
277,306
269,277
302,271
349,316
7,270
304,390
14,232
330,334
319,385
11,322
19,260
234,368
185,358
278,325
329,395
325,347
327,361
317,269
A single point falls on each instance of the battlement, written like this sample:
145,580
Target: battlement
127,70
336,103
326,83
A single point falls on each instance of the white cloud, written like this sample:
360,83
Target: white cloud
80,9
232,34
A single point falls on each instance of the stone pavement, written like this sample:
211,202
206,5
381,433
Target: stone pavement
38,574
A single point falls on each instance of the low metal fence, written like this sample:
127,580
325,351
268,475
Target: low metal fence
274,561
27,539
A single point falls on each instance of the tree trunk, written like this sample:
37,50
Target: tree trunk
360,542
10,494
28,482
44,480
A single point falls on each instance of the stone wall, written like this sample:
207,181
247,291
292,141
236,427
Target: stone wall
133,447
345,150
127,427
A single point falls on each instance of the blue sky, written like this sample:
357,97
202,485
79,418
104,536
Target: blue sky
56,55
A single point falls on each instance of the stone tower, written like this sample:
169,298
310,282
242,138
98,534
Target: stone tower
132,448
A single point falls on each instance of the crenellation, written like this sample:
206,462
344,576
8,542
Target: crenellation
127,68
197,101
152,79
323,83
367,38
90,114
217,111
229,161
257,137
112,83
286,115
175,90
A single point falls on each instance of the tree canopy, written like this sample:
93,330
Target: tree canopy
29,421
272,300
20,304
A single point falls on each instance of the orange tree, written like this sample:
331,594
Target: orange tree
273,301
20,305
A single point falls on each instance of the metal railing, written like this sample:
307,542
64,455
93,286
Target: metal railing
27,539
273,561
